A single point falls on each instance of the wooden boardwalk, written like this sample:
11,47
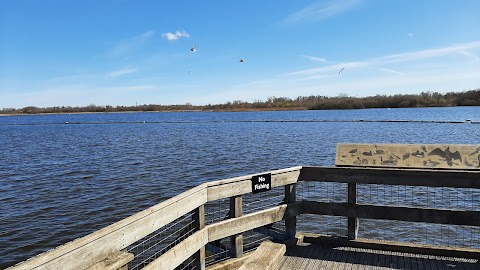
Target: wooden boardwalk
313,256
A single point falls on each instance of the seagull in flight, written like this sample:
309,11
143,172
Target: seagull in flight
341,70
194,48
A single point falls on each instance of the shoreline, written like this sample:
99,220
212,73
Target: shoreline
219,110
166,111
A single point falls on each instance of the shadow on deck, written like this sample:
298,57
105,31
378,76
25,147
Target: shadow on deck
316,256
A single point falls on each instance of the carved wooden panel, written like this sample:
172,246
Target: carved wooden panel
437,156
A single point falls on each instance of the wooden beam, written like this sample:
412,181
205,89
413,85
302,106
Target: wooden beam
352,222
225,189
229,190
181,252
290,223
236,240
384,176
452,217
249,176
251,221
199,223
113,262
95,247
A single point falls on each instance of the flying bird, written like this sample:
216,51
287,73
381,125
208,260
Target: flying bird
341,70
241,60
447,155
194,48
191,71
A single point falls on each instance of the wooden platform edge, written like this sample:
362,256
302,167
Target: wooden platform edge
466,253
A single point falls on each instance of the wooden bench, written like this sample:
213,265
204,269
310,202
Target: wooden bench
266,257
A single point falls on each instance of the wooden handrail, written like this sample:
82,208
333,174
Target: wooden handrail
387,176
88,250
96,247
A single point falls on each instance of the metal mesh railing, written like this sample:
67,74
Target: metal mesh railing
151,247
218,251
462,199
467,199
147,249
321,224
322,191
217,210
420,233
264,200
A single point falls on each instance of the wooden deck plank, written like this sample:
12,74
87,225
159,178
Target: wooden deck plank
313,256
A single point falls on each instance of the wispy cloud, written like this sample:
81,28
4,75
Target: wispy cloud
121,72
315,59
431,53
321,10
176,35
379,63
132,43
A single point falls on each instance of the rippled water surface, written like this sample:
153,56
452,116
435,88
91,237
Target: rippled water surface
61,181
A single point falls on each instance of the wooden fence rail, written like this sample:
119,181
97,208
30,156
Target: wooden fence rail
98,246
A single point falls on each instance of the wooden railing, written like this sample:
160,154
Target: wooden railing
107,248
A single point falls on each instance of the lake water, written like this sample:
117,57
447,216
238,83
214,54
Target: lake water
62,181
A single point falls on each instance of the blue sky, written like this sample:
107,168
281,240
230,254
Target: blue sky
122,52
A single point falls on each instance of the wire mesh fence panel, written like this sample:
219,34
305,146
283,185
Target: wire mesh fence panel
322,191
462,199
147,249
253,238
320,224
217,210
263,200
189,264
218,251
420,233
467,199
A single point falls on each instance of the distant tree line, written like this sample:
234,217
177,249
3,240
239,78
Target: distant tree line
342,101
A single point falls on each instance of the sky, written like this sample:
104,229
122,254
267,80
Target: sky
125,52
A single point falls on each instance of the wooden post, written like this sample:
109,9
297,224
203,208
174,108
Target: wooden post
199,223
352,221
236,241
290,223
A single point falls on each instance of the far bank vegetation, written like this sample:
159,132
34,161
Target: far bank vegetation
342,101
